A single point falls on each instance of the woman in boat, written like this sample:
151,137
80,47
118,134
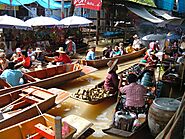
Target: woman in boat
121,48
39,55
136,43
135,92
16,55
3,61
129,49
62,58
111,80
116,51
24,60
91,53
107,52
11,75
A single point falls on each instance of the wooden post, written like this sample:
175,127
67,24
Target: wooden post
58,127
97,27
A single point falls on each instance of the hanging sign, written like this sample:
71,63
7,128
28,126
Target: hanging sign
89,4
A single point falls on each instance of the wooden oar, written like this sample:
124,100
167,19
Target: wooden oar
30,78
2,109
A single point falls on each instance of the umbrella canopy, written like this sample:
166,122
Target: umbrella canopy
75,20
13,22
42,21
152,37
174,22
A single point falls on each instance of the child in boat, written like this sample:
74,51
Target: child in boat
111,80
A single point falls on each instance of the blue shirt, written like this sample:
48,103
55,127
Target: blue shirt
90,55
12,76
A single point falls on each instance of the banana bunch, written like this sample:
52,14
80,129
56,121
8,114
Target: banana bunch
92,94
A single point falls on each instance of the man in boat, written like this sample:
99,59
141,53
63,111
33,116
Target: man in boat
11,75
135,92
62,58
111,80
136,43
107,52
71,47
16,54
91,53
39,55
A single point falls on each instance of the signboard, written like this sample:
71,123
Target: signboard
8,7
89,4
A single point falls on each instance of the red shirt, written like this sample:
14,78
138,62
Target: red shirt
63,58
27,60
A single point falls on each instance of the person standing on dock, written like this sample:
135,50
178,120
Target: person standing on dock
71,47
111,80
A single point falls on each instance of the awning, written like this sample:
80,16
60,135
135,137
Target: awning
44,3
143,13
163,14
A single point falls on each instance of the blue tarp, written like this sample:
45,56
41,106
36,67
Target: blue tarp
164,4
181,6
43,3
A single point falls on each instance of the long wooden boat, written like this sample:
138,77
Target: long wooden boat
97,94
50,77
98,63
32,129
23,104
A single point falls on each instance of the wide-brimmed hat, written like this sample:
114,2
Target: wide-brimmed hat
38,49
1,50
111,64
60,50
135,36
2,55
18,50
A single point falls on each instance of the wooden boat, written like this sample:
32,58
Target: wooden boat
50,77
98,63
97,94
30,129
23,104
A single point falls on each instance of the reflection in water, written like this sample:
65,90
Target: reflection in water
100,114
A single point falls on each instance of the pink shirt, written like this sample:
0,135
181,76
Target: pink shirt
134,94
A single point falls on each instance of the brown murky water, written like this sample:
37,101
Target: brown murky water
100,114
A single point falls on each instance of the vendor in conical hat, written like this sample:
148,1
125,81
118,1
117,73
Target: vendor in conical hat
63,57
111,80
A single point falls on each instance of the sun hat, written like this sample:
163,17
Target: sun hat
2,55
18,50
111,64
135,36
60,50
38,50
1,50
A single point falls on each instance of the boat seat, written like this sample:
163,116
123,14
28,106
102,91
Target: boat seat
30,99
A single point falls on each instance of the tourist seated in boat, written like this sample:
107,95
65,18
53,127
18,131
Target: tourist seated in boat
71,46
24,60
30,52
182,45
107,52
116,52
134,93
181,59
63,58
111,79
39,55
16,54
3,61
154,46
121,48
136,43
129,49
91,53
11,75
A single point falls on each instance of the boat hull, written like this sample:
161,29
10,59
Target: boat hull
103,62
47,101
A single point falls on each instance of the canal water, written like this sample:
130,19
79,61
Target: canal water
100,114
